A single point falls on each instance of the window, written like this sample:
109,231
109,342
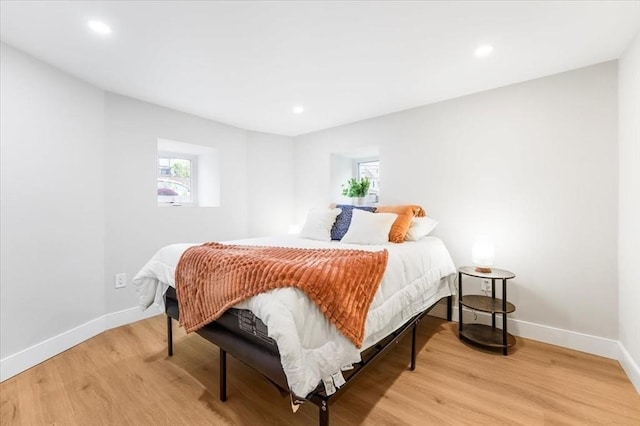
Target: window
176,178
358,163
371,170
187,174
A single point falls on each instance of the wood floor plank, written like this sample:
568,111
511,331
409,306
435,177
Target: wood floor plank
43,397
10,403
124,377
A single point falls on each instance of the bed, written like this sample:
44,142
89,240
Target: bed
283,335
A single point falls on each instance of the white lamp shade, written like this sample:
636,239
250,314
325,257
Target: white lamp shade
483,252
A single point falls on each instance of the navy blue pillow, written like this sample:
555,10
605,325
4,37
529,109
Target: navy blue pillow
341,225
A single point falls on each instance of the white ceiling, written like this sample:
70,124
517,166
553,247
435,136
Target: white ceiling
248,63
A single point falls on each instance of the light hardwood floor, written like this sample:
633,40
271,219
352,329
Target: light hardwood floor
124,377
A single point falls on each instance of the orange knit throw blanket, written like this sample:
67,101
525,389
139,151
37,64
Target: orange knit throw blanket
213,277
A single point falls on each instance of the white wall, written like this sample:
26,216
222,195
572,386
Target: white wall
534,165
135,226
629,210
52,208
78,202
270,183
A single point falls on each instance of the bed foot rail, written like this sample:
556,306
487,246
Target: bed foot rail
449,308
323,420
223,375
169,336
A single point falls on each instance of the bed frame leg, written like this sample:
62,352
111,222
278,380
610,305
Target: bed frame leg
169,336
324,414
223,375
413,347
449,308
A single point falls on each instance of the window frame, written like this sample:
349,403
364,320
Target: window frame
193,176
356,171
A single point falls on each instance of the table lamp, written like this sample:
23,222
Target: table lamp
483,254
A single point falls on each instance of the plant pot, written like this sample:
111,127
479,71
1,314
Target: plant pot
357,201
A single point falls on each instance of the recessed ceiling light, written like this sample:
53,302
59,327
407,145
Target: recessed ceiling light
298,109
484,50
99,27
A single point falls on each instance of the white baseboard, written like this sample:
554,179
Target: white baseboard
34,355
127,316
601,346
629,366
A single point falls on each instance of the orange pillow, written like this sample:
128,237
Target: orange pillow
401,226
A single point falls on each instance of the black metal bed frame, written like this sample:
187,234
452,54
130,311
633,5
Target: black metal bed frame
262,361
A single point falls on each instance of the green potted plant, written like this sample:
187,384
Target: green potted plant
356,189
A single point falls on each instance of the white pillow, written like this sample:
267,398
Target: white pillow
369,228
318,224
420,228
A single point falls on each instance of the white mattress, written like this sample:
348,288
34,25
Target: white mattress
417,275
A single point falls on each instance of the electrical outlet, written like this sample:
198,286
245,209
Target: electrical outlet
486,285
121,280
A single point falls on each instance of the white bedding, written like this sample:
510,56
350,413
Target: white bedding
311,348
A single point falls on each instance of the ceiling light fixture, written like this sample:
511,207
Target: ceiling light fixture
484,50
298,109
99,27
